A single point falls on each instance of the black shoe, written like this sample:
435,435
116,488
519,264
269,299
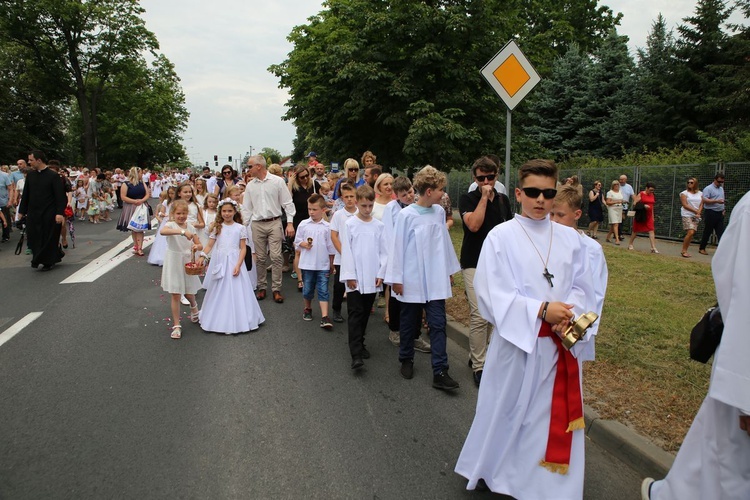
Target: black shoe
407,369
357,363
478,377
337,318
365,353
47,268
470,364
325,323
444,382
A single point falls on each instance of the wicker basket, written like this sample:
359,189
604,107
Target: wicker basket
193,269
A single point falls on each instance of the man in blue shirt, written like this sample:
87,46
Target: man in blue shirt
714,210
7,196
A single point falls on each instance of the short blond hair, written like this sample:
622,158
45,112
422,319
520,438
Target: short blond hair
428,178
570,196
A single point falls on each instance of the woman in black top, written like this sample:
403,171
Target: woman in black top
228,179
301,186
596,211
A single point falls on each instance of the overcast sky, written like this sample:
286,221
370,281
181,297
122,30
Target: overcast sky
223,48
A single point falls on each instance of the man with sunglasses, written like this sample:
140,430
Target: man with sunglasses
481,210
499,186
714,211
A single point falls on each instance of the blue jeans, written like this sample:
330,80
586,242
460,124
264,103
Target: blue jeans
411,320
313,280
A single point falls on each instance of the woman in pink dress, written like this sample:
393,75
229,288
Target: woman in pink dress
647,226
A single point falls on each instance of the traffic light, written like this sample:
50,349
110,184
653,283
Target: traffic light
216,157
230,159
206,163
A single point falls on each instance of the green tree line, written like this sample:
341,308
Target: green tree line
84,81
401,78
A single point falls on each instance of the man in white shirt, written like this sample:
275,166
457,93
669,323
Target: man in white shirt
265,197
627,192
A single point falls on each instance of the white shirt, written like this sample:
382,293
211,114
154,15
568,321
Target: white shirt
378,209
318,257
338,224
421,256
364,254
692,199
266,198
210,184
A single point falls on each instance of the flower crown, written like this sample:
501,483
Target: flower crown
227,200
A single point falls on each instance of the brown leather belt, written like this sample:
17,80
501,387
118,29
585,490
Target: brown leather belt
268,220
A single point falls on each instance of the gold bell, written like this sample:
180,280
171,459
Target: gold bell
577,330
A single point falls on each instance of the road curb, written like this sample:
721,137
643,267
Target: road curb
621,441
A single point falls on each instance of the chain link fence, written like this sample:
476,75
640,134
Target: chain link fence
670,181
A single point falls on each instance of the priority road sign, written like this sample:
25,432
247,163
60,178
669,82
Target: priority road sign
510,74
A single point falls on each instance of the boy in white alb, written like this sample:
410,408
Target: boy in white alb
566,210
404,197
532,279
421,261
315,251
338,234
363,260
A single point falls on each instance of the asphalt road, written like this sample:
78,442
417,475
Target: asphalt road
99,402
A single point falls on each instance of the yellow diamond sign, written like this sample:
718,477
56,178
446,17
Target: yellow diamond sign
511,75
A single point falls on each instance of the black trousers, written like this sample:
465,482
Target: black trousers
394,314
714,222
358,305
6,229
338,291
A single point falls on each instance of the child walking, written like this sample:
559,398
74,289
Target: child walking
338,234
363,261
81,200
315,253
230,305
421,261
182,240
531,280
210,204
159,246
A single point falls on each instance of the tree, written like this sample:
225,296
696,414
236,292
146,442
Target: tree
79,47
402,78
142,115
271,155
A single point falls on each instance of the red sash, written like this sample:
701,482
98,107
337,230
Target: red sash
566,415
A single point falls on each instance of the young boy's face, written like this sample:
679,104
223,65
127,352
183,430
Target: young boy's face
365,206
406,197
315,211
536,207
564,214
434,195
350,198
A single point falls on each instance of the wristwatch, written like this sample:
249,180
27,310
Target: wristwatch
182,232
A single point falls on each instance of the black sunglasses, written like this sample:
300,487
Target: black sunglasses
482,178
227,172
302,176
353,169
535,192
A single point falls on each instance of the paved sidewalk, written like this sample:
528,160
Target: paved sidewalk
665,247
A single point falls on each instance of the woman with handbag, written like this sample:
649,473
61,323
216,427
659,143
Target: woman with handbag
644,224
134,193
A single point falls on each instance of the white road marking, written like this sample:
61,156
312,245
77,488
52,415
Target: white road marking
105,263
18,326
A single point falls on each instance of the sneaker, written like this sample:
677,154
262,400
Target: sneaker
646,488
294,275
365,353
325,322
337,318
395,338
184,301
357,363
444,382
307,315
422,345
407,369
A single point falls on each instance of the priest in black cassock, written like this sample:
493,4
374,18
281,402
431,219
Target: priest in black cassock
43,203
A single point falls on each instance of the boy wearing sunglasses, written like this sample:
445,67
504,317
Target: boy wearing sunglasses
531,280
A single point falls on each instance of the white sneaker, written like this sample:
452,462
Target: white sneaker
422,345
395,338
184,301
646,488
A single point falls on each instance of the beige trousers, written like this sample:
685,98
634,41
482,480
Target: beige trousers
480,330
267,237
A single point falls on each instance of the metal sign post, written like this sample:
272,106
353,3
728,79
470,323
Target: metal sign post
512,77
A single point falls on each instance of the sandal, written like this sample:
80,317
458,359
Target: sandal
135,249
654,250
300,286
686,255
630,247
194,313
176,332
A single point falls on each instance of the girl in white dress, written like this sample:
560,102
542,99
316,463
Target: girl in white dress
182,239
195,215
235,193
159,246
156,188
209,214
230,305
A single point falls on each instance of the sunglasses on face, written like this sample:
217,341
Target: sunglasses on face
226,172
482,178
535,192
353,169
302,177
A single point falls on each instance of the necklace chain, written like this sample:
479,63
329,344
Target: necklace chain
546,273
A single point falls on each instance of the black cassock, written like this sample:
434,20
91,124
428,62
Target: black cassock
43,198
